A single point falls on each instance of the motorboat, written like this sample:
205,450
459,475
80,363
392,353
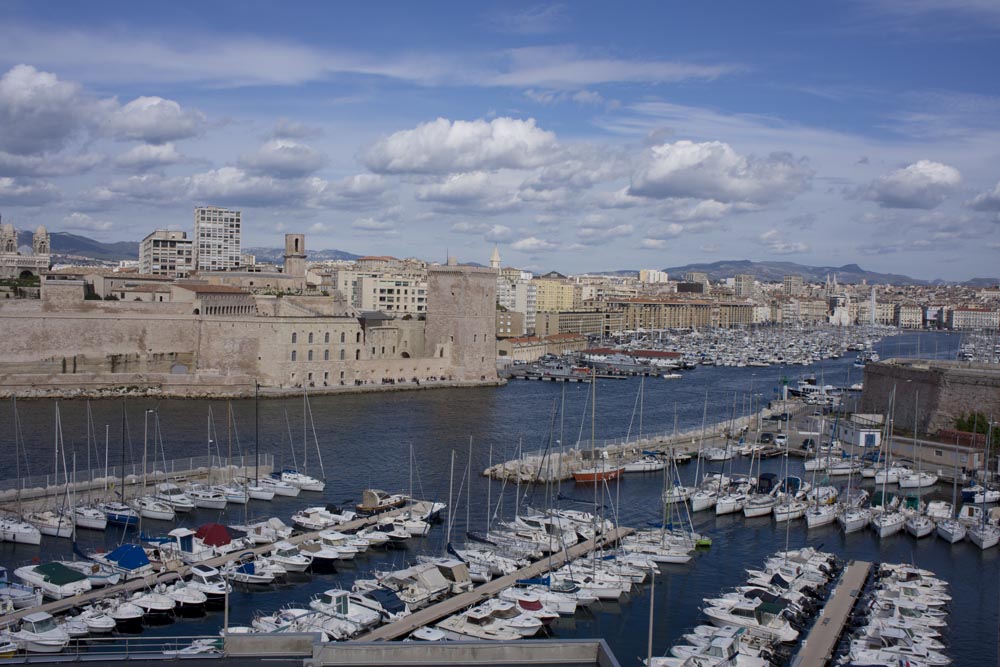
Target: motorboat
979,494
764,618
174,496
18,531
129,560
127,616
188,599
209,581
317,518
376,501
290,557
206,497
185,544
354,618
155,604
55,580
252,569
267,531
17,596
39,633
97,620
301,480
99,574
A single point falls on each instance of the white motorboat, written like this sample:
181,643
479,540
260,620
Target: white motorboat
188,599
149,507
939,510
209,581
17,596
480,623
278,487
290,557
174,496
316,518
206,497
153,603
51,523
99,574
89,516
97,620
39,633
251,569
338,604
19,532
302,480
758,617
267,531
951,530
54,579
126,615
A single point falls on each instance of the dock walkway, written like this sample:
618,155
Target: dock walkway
151,580
817,649
453,605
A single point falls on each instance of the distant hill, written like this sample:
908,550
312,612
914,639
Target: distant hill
66,244
276,255
775,271
982,282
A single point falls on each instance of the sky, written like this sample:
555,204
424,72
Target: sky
576,136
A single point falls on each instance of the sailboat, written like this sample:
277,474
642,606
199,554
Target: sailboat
87,515
985,535
889,520
919,524
14,529
51,522
820,514
256,488
294,477
951,529
148,506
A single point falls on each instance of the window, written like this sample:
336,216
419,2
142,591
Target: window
341,336
293,355
357,355
310,338
341,355
326,338
295,337
357,338
938,453
309,355
326,355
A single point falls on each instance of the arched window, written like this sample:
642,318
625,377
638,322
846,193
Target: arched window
342,336
310,338
326,355
341,355
357,338
326,338
309,355
293,355
357,355
295,337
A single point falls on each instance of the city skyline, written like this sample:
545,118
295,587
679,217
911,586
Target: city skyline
572,136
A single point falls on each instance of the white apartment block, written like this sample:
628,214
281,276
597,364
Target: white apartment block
216,238
166,253
392,294
520,296
653,277
973,319
909,316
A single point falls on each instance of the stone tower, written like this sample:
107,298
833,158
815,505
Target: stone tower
8,239
40,241
461,319
295,255
495,259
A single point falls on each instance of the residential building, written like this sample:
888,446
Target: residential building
553,295
698,277
587,323
527,349
909,316
792,285
510,324
743,286
166,253
652,276
394,294
973,319
216,238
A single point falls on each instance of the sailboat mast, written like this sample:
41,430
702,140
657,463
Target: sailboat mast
123,450
305,441
256,434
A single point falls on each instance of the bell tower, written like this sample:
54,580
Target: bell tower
295,255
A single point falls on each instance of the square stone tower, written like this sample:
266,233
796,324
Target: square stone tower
295,255
461,319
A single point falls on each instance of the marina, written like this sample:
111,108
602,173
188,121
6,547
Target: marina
634,499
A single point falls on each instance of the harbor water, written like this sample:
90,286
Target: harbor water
391,441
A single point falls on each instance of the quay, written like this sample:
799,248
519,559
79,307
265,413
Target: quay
151,580
817,649
452,605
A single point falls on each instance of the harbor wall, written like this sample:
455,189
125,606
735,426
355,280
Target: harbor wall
936,392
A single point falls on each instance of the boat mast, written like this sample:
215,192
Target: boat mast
256,434
123,451
918,450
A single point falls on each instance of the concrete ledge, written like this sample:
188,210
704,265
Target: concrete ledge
541,652
277,644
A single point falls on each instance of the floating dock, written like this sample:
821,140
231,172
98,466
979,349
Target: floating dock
817,649
453,605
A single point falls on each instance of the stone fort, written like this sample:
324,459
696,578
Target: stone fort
209,338
936,391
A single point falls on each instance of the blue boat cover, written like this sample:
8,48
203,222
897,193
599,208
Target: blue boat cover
388,599
537,581
129,557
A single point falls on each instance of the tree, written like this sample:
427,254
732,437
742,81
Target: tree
976,422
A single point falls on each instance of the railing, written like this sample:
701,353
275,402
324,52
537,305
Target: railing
124,647
155,471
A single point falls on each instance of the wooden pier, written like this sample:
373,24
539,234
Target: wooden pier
151,580
453,605
817,649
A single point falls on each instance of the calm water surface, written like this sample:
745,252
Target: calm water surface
365,440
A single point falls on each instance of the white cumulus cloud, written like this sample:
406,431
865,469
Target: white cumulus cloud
986,201
777,244
154,120
30,193
38,110
149,156
533,244
713,170
283,158
443,146
923,184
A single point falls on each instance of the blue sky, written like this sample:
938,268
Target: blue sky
576,136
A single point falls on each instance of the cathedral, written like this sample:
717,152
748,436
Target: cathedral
14,263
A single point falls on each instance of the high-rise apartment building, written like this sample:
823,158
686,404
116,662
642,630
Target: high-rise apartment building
792,285
166,253
743,285
216,238
653,276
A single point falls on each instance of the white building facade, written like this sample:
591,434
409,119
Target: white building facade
217,238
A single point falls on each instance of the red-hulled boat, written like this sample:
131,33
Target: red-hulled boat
599,474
